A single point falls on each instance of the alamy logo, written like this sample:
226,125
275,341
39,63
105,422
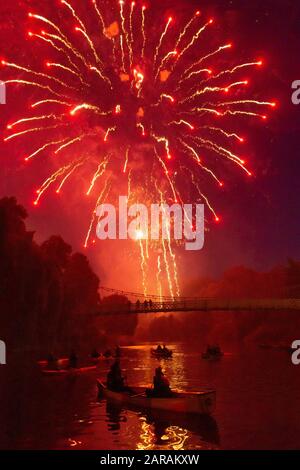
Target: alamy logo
296,354
181,222
296,93
2,353
2,93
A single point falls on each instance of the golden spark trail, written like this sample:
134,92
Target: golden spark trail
163,244
143,31
222,131
59,49
50,23
209,89
158,278
68,46
49,181
38,74
125,33
259,103
82,30
36,129
68,5
163,61
242,113
34,118
48,144
142,127
67,69
182,121
131,40
68,176
143,268
161,40
122,51
126,160
166,142
168,97
34,84
62,38
193,40
186,28
196,72
202,195
100,198
67,144
173,257
88,107
99,15
234,69
100,171
166,173
198,160
198,62
221,150
90,42
98,71
108,132
129,185
38,103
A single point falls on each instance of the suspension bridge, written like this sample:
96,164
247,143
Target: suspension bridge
124,302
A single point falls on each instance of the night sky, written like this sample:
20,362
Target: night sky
260,216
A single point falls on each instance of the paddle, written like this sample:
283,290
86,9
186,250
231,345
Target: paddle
138,395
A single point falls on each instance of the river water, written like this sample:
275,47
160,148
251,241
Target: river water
258,405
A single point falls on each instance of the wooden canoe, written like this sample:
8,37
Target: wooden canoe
161,354
70,371
202,402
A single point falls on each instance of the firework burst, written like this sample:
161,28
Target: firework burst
157,101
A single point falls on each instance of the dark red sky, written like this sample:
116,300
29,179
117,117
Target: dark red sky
260,218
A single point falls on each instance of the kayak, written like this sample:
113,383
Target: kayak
71,371
202,402
161,354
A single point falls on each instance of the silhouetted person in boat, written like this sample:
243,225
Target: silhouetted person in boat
150,303
115,379
95,354
145,304
161,385
73,360
138,304
159,349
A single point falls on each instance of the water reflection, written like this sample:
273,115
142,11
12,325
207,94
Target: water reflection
165,430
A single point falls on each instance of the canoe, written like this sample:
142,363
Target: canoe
202,402
70,371
161,354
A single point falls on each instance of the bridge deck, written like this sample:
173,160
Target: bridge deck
204,305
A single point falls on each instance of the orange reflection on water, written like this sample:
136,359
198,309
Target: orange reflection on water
172,437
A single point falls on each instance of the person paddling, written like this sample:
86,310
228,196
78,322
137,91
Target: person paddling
161,385
115,380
